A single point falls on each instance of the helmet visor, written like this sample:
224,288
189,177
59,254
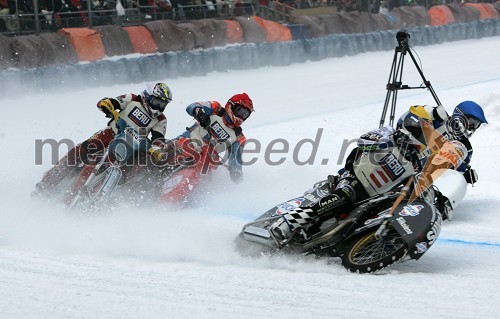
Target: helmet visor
156,103
473,123
241,111
417,133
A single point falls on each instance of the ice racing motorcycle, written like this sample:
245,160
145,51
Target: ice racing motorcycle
377,233
97,181
202,151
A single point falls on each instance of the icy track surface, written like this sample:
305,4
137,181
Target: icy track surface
148,263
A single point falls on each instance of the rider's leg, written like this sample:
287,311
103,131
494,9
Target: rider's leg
346,192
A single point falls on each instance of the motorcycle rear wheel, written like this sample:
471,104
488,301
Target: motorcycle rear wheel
368,254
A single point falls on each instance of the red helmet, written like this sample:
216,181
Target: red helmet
238,108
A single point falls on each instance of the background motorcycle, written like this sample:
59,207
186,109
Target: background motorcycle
201,155
97,181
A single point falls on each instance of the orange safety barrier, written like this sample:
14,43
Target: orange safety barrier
86,42
234,32
495,14
142,40
440,15
484,12
275,32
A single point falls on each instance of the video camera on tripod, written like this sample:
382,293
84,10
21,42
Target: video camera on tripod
395,77
402,37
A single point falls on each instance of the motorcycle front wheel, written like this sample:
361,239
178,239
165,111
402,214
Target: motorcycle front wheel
98,187
368,254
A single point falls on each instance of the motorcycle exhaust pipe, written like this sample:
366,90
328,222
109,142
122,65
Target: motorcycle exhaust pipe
258,235
328,235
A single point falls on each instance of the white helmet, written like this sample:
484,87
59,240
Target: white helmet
156,97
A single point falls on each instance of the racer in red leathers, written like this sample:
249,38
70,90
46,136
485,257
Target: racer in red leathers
143,112
217,130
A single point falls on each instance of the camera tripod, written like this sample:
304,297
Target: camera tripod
395,78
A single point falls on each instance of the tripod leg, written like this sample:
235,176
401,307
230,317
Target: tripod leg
393,85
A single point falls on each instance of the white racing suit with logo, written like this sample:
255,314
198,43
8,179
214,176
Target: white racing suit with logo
138,117
132,112
376,166
220,136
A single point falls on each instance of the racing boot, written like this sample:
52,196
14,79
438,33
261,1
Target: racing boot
443,205
291,221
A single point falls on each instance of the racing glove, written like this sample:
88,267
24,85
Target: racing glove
107,107
470,175
158,152
202,117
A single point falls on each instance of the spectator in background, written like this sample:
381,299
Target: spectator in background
391,4
25,6
66,16
347,5
4,11
145,8
46,8
375,6
224,8
303,4
364,5
238,8
101,14
21,7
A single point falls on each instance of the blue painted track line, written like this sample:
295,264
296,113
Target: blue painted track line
467,242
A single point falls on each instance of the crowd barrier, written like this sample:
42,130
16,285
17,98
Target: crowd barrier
170,65
93,44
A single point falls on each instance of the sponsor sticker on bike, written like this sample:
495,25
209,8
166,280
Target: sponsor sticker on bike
421,247
285,207
433,234
411,210
404,225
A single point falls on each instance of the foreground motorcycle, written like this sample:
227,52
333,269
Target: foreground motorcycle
376,233
97,181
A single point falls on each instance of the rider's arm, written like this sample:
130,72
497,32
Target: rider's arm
438,113
470,174
110,104
207,107
235,161
466,162
159,129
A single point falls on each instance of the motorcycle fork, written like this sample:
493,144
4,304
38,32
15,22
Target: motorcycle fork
97,167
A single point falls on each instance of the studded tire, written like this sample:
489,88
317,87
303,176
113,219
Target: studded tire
367,254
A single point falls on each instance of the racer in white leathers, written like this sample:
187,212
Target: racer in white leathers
143,112
384,158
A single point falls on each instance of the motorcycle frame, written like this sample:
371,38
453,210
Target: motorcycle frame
395,82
